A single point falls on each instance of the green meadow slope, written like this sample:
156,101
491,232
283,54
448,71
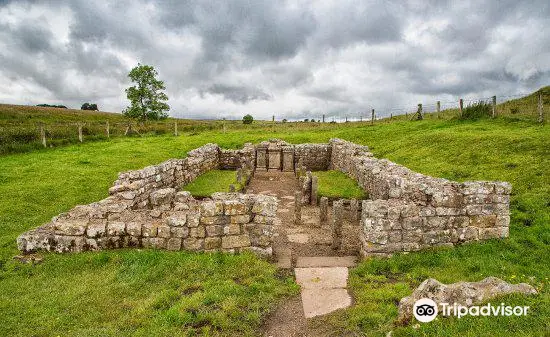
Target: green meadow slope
129,292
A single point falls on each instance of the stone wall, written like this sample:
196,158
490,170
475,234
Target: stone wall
234,159
411,211
315,157
135,187
229,222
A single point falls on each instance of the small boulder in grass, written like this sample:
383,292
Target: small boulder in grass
461,293
29,258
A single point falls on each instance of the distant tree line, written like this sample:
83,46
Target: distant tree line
52,106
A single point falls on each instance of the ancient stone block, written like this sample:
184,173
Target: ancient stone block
208,209
197,232
214,230
96,228
133,228
116,228
232,229
163,231
177,219
162,196
173,244
240,219
235,241
412,223
193,244
464,234
490,233
193,220
149,229
483,221
179,232
288,159
234,207
158,243
212,243
274,159
213,220
74,227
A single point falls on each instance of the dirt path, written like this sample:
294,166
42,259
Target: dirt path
291,244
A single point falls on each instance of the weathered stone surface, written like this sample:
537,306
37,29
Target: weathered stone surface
162,196
174,244
235,241
96,228
116,228
73,227
463,293
133,228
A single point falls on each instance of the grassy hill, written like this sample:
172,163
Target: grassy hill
20,131
129,292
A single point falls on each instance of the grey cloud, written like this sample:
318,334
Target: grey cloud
237,94
300,58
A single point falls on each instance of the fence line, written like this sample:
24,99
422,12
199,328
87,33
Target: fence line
45,133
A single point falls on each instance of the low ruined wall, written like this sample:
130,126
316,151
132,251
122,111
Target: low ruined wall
474,210
135,187
394,225
229,222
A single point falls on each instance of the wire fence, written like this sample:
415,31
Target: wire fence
18,135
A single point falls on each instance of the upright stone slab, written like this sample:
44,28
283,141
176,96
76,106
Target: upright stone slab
288,158
314,186
323,205
274,157
261,158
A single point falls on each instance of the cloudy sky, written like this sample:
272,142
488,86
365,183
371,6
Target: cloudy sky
288,58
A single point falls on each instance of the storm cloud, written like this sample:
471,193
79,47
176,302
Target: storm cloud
293,59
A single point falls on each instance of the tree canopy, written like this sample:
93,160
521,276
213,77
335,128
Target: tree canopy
147,99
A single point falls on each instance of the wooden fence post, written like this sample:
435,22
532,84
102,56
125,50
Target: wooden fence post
107,130
42,134
372,117
273,119
175,128
346,119
541,115
438,107
494,106
323,118
460,105
80,138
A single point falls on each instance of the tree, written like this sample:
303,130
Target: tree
147,101
88,106
248,119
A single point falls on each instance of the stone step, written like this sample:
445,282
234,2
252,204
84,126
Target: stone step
325,261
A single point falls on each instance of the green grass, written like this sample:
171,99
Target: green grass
211,182
337,185
108,293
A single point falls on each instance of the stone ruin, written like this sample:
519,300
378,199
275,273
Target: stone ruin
404,211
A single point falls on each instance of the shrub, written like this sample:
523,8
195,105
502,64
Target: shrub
248,119
88,106
476,110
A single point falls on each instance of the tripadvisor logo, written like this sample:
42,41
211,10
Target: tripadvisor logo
426,310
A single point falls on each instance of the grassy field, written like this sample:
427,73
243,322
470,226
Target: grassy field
128,292
20,125
211,182
336,185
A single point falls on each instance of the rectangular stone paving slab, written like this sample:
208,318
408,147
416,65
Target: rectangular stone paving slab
326,261
321,278
317,302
